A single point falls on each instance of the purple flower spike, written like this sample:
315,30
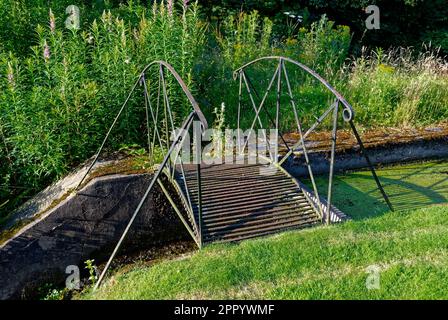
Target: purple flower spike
170,7
46,51
52,22
10,74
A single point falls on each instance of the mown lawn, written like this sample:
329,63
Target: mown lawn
409,246
410,186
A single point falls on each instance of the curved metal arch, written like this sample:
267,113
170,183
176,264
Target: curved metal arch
197,111
182,84
348,112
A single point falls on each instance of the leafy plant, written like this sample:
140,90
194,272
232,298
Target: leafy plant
92,269
57,103
325,46
244,36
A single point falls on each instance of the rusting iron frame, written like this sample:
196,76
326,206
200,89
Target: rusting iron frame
372,168
266,111
277,105
185,197
194,104
145,196
154,117
275,122
179,214
169,126
302,140
278,75
333,151
240,76
257,112
334,109
347,114
178,138
199,186
187,189
166,109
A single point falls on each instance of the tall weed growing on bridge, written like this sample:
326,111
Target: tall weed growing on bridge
57,104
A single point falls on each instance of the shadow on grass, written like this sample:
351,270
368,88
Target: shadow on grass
408,187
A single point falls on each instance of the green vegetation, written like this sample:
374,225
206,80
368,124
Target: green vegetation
328,262
395,88
409,186
60,89
57,104
403,22
319,263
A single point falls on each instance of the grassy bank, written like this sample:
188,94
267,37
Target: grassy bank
326,262
408,246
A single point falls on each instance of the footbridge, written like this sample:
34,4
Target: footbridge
230,189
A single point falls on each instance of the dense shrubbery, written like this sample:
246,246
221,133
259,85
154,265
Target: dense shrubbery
20,18
56,104
395,88
398,87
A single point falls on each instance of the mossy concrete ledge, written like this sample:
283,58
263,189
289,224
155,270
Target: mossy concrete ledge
82,227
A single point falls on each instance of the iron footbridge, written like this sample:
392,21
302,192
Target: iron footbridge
251,195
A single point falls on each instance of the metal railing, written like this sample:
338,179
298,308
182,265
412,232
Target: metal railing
163,136
281,75
169,142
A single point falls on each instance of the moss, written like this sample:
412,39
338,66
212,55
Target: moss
129,165
372,137
10,232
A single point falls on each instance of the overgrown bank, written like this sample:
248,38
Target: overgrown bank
57,102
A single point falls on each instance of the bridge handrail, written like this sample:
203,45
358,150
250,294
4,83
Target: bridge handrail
348,113
178,139
196,113
141,76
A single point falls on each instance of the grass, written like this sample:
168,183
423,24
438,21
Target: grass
328,262
409,186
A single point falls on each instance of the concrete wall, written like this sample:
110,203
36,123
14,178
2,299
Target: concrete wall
384,154
83,226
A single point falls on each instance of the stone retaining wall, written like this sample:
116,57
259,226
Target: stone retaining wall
83,226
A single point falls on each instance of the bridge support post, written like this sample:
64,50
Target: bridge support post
369,163
333,151
198,172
